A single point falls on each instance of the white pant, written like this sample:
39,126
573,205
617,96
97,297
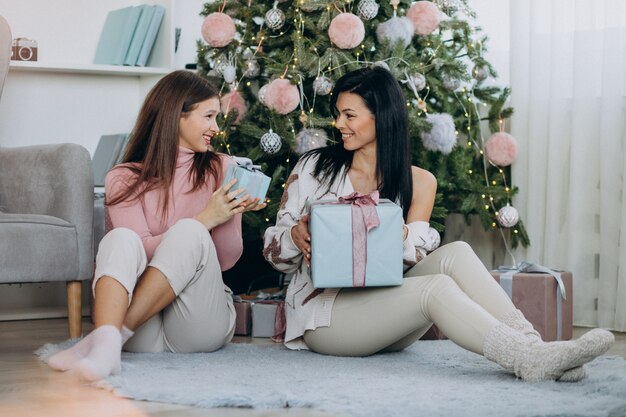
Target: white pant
202,317
450,287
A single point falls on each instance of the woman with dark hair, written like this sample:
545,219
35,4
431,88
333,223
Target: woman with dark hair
450,287
173,229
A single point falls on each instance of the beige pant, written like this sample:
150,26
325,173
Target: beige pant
202,317
450,287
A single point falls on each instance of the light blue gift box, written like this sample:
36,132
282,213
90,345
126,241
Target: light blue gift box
331,245
248,176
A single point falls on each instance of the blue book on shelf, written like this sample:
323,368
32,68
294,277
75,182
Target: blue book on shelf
116,35
140,34
151,35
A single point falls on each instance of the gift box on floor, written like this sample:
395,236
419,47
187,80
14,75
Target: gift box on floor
268,319
248,176
243,321
343,255
545,302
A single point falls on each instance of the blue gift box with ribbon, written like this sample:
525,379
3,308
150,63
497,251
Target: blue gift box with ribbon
356,241
248,176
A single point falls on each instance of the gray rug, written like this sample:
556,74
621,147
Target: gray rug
430,378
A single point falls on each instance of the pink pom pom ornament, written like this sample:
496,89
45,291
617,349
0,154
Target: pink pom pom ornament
234,100
346,31
281,96
425,17
218,30
501,149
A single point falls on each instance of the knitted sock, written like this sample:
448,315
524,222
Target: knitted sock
515,319
540,361
66,359
104,358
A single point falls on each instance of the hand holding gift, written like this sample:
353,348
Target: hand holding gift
301,237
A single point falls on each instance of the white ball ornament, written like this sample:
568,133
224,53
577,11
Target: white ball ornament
323,85
442,136
274,18
229,72
449,7
367,9
394,30
507,216
419,81
381,64
308,139
271,142
252,68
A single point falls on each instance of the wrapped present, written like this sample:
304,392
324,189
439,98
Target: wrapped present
243,321
248,176
356,241
543,295
268,319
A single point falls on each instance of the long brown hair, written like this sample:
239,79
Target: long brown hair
153,143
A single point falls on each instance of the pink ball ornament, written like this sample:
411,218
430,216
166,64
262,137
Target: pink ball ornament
218,30
234,100
281,96
346,31
425,17
501,149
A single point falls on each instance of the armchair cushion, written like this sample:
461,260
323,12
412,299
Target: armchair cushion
31,249
46,193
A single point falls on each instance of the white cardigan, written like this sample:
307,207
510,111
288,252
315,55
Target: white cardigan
307,308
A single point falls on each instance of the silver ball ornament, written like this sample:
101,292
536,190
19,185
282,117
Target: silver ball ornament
507,216
367,9
261,94
271,142
480,72
451,83
322,85
274,18
449,6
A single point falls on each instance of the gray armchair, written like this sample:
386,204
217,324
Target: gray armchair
46,211
46,219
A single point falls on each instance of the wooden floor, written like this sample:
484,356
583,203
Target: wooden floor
28,388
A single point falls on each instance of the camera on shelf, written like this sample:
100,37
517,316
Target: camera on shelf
24,49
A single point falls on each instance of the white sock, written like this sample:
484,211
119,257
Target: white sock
104,358
67,359
126,334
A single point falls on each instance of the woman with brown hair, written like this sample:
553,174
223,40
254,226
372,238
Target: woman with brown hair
173,229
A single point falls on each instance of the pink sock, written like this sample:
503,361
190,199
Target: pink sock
66,359
104,358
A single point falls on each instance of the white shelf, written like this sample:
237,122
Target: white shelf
116,70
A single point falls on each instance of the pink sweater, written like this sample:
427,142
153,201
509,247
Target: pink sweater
144,217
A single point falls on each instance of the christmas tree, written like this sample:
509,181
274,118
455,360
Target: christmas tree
276,65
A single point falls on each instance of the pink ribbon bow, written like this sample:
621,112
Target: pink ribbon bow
364,219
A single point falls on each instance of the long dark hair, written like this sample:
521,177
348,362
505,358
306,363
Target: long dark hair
383,97
153,143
